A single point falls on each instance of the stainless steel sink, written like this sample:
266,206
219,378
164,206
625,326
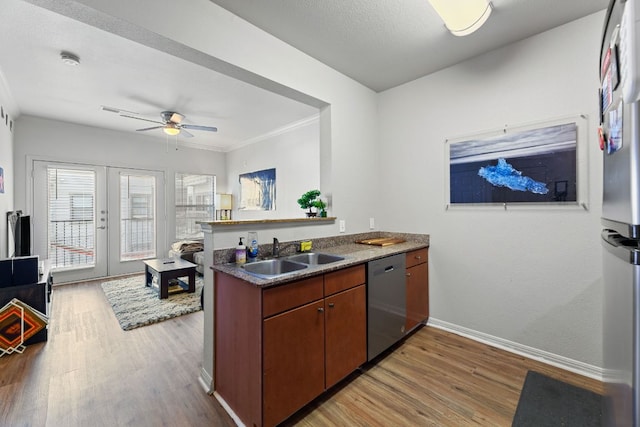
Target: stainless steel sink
315,258
272,267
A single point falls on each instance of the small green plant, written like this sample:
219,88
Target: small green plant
308,200
320,205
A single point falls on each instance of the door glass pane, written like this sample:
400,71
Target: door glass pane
71,217
137,217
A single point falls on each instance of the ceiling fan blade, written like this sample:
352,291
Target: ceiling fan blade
140,118
116,110
151,128
185,133
198,127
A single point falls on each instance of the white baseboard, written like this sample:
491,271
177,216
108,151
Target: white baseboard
572,365
227,408
206,381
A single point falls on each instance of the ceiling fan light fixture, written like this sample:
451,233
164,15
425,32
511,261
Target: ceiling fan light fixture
171,130
463,17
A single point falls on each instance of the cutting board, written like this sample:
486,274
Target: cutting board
381,241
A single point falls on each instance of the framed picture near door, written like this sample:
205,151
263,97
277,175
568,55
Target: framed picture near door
527,165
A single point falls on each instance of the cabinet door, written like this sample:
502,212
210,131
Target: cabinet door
293,351
346,333
417,295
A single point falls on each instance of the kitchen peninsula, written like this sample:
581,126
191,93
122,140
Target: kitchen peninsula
282,341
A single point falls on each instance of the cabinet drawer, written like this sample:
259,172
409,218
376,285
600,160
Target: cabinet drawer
281,298
416,257
344,279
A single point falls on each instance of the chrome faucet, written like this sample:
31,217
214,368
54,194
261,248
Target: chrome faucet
277,247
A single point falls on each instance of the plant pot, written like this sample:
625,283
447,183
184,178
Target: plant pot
323,214
311,214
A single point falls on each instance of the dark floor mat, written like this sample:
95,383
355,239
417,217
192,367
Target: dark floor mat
546,402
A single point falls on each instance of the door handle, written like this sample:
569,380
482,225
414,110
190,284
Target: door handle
101,227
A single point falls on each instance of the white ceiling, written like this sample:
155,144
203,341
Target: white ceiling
380,43
385,43
117,72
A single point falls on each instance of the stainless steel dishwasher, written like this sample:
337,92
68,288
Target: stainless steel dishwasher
386,303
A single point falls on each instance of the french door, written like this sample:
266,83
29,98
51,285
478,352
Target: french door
96,221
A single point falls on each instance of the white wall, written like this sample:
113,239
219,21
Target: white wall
6,163
42,139
232,45
295,154
532,277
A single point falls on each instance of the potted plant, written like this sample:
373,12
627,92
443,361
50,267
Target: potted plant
320,205
307,201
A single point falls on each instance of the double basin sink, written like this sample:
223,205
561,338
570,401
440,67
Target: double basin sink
277,267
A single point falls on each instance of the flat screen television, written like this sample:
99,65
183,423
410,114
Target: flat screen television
18,234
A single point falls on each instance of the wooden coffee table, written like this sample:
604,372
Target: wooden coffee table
166,269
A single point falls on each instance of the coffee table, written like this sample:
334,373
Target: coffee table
170,268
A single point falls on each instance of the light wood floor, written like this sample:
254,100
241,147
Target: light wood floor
91,373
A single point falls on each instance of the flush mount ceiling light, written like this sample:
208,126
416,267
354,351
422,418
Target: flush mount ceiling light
462,17
69,59
171,129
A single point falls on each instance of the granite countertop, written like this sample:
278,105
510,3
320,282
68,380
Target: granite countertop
354,254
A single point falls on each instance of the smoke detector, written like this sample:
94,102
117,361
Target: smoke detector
69,58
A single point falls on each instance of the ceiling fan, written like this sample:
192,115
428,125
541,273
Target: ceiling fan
171,123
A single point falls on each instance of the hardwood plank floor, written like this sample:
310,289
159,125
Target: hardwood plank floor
91,373
433,378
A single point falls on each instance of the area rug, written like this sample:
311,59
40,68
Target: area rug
546,402
135,304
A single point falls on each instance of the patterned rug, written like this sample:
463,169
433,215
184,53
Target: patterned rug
136,305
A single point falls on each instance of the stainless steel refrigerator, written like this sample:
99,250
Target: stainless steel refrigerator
620,237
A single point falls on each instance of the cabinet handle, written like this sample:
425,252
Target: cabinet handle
320,309
418,257
330,305
408,274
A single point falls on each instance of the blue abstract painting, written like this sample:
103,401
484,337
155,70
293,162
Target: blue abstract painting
504,175
536,165
258,190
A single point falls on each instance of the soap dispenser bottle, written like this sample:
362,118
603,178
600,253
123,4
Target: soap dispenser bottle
252,245
241,252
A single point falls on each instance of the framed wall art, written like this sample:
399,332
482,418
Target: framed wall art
526,165
258,190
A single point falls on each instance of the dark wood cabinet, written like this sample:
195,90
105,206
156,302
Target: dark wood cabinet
293,364
346,333
417,287
278,348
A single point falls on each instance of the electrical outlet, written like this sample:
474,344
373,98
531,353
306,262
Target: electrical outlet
372,224
343,226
